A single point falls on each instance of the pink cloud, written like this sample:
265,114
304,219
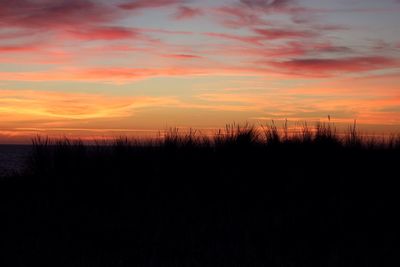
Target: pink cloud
358,10
28,21
140,4
252,13
17,48
267,3
85,19
290,7
319,47
329,27
121,74
105,33
48,14
236,16
288,49
125,74
246,39
164,31
275,34
326,67
183,56
185,12
15,34
283,33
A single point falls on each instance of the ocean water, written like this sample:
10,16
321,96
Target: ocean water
13,158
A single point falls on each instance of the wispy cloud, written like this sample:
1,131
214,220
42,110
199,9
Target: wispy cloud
274,33
104,33
17,48
267,4
142,4
54,14
30,105
186,12
326,67
182,56
254,39
237,17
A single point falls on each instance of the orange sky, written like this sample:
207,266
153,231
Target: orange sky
97,69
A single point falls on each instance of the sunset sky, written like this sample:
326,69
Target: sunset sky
97,68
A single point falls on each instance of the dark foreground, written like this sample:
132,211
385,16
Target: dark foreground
310,200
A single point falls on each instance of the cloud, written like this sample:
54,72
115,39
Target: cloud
126,74
17,48
165,31
325,67
105,33
319,48
141,4
289,49
105,74
265,35
183,56
292,45
185,12
121,75
13,34
48,14
236,16
267,3
80,19
46,25
68,25
284,33
25,105
262,52
255,13
254,39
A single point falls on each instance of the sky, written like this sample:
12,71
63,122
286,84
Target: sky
104,68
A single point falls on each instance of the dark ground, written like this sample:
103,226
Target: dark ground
235,201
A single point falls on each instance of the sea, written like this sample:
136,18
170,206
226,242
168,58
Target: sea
13,158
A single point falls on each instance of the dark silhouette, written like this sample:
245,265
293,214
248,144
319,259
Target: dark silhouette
240,198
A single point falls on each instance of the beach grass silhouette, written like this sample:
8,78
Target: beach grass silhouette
245,196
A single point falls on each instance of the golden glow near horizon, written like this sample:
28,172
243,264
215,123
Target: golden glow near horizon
88,69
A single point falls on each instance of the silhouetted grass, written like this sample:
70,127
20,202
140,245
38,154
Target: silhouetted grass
245,196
